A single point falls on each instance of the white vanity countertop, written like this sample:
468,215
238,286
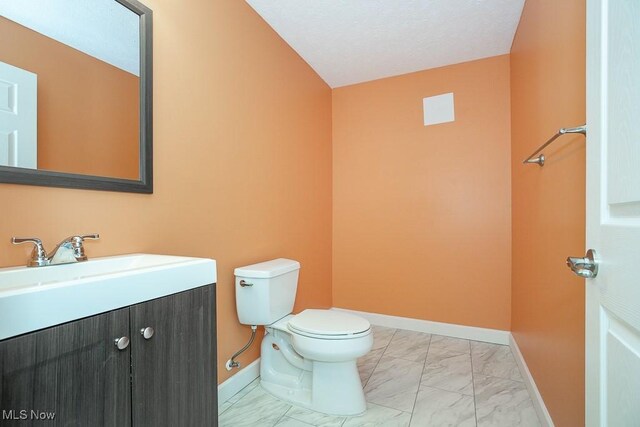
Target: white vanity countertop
40,297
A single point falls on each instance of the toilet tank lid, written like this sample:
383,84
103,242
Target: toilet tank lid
267,269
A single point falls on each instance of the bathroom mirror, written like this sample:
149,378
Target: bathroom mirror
76,94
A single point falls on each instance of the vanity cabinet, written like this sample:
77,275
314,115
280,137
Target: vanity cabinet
75,370
174,372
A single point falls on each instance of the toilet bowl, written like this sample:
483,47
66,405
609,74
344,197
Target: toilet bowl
309,358
318,369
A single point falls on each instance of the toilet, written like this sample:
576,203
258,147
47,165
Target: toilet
309,358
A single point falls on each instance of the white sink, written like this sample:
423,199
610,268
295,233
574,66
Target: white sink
39,297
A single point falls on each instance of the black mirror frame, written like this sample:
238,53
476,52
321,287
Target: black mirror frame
12,175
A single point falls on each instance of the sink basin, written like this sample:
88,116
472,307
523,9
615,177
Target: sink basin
40,297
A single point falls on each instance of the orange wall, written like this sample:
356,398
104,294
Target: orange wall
422,222
421,215
548,92
87,109
242,156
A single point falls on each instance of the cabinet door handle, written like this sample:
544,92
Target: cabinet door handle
122,343
147,332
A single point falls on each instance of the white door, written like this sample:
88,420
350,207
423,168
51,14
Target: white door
18,117
613,213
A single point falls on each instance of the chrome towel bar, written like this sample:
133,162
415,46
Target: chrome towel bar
540,159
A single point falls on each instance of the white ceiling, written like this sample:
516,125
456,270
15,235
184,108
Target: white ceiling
103,29
353,41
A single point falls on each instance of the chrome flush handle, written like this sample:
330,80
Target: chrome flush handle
586,267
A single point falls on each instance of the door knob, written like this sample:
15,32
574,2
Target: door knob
586,267
147,332
122,343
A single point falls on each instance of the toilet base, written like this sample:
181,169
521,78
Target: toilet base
332,388
337,388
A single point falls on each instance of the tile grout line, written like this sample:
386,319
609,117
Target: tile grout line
473,385
232,403
389,407
378,362
451,353
448,391
282,416
386,347
420,382
239,391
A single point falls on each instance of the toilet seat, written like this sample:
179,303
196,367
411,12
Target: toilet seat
328,325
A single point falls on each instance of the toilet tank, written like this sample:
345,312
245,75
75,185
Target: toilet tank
269,292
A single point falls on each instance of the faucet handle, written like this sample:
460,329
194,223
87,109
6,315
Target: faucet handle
94,236
18,240
78,247
38,255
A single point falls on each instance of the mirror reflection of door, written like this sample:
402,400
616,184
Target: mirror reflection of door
18,117
86,55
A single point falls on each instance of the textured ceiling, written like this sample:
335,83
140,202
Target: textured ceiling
352,41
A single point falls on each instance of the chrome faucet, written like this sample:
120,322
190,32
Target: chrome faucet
68,251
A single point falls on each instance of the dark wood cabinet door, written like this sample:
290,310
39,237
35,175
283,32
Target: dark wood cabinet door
174,371
73,371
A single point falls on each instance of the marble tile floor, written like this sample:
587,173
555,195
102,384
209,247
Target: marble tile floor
410,379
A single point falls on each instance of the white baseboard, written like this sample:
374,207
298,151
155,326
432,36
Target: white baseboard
494,336
538,403
240,380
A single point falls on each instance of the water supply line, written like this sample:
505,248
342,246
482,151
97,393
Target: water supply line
231,363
